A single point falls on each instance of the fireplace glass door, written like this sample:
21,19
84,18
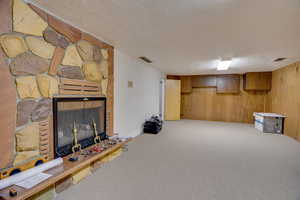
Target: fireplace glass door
78,119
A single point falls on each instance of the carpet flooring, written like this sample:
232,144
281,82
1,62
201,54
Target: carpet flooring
196,160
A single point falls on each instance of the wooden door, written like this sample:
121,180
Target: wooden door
172,100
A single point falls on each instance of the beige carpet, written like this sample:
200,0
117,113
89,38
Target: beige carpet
199,160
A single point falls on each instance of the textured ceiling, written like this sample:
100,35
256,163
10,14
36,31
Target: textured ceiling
189,36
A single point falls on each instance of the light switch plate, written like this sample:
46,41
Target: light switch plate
130,84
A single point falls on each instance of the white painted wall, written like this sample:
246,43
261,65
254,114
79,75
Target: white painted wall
134,105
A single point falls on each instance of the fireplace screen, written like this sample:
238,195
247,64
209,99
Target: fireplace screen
78,119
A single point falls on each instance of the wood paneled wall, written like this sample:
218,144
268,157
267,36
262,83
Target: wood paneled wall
284,97
206,104
8,108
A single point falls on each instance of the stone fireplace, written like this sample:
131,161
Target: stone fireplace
42,61
87,115
51,75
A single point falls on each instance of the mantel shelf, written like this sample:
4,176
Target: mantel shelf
60,172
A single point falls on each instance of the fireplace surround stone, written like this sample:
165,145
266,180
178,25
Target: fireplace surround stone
29,51
38,51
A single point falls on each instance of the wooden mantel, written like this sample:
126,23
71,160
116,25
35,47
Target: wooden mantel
58,173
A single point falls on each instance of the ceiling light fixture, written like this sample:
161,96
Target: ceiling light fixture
224,65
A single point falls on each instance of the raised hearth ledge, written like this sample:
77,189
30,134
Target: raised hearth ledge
68,168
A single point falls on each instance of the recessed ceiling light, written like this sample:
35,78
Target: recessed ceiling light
279,59
224,64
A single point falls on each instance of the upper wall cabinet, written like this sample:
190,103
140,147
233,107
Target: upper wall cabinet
228,84
186,84
204,81
258,81
173,77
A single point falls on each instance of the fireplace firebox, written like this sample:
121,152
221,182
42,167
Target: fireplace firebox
85,116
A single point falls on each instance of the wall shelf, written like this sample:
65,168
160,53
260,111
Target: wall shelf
60,172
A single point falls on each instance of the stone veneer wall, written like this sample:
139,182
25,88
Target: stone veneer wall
40,50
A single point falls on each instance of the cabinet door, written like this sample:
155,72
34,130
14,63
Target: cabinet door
228,84
172,100
204,81
258,81
186,84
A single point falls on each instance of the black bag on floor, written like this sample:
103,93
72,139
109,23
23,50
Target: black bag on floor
153,125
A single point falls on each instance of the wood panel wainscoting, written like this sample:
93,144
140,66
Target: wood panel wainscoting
219,98
284,97
207,104
276,92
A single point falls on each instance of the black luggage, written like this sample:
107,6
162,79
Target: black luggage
153,125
